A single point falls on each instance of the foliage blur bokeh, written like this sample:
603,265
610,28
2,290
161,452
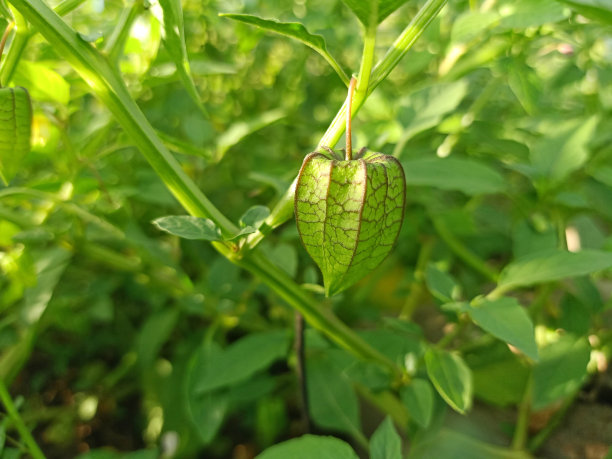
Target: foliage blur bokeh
116,337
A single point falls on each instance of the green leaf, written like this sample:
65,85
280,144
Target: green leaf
565,150
206,410
466,175
425,108
500,377
552,266
472,24
373,12
385,442
189,227
240,360
441,285
521,14
296,31
254,216
507,320
451,377
43,84
153,334
418,397
448,444
239,130
349,213
15,130
561,370
308,447
332,401
600,10
174,41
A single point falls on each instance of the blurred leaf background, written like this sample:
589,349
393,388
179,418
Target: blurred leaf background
116,337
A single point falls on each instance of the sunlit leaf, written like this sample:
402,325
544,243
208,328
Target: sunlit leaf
296,31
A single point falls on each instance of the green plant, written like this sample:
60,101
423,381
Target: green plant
469,305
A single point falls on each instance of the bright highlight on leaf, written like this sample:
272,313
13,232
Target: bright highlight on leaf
15,130
349,213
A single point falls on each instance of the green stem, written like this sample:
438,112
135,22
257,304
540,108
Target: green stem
116,42
522,423
417,288
459,249
20,40
318,317
407,38
25,434
284,208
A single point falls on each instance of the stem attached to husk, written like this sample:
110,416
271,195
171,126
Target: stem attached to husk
349,109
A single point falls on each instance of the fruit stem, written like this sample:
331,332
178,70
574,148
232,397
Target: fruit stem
7,31
349,109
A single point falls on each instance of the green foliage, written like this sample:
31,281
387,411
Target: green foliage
15,132
150,268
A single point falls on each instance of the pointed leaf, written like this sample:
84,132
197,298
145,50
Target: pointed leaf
242,359
552,266
600,10
507,320
418,397
332,401
254,216
189,227
561,370
308,447
564,150
451,377
467,175
448,444
385,442
296,31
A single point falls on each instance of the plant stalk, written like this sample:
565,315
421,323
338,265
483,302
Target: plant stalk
349,136
25,434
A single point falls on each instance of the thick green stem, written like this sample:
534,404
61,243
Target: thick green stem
25,434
